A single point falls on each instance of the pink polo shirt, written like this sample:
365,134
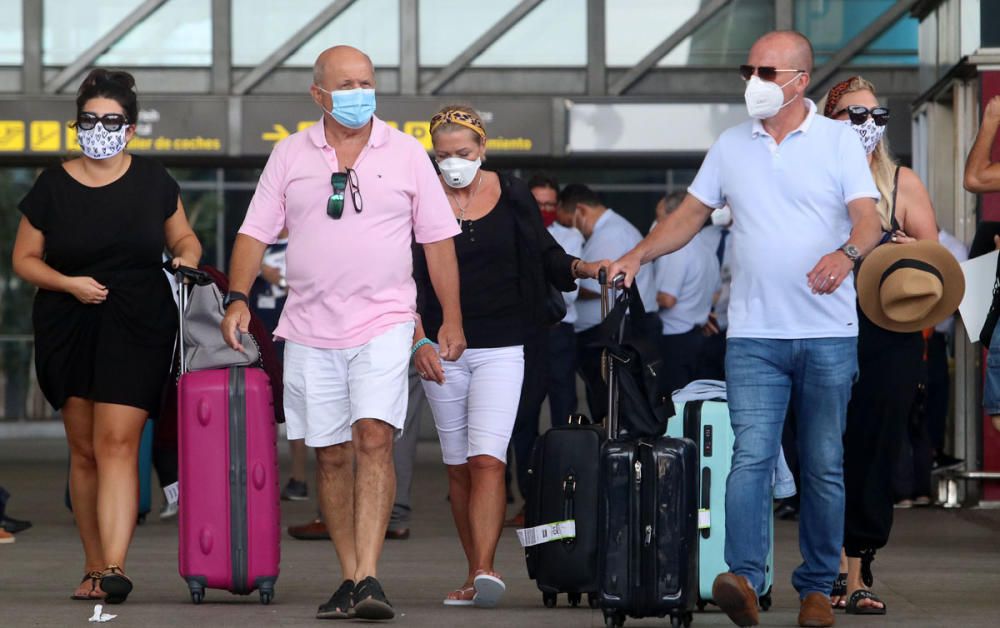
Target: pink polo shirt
349,280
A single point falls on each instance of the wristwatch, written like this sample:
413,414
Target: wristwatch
235,296
852,252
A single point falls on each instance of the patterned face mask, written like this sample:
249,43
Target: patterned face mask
869,132
99,143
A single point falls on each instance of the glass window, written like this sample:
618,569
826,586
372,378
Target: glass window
11,35
447,28
553,34
635,27
830,24
261,26
178,33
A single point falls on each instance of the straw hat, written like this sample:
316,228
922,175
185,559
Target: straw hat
909,287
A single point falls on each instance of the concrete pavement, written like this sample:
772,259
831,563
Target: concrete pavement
941,569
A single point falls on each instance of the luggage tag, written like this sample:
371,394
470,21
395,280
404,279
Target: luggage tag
704,518
171,493
547,533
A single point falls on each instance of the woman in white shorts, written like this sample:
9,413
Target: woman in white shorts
507,261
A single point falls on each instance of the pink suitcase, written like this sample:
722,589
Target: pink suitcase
228,482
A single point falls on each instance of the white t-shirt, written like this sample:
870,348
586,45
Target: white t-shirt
613,237
789,205
691,275
571,240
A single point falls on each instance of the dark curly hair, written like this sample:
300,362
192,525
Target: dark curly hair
117,85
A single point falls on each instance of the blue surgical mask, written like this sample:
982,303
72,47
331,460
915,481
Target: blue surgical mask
352,108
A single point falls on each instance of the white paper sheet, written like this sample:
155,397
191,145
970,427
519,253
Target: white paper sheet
980,273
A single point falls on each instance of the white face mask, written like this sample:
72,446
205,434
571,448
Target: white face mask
869,132
99,143
458,172
764,98
722,217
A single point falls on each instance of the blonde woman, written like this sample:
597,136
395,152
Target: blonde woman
889,362
506,261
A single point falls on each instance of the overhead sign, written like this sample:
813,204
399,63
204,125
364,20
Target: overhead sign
171,126
514,126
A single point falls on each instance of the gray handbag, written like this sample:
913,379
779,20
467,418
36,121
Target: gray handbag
201,329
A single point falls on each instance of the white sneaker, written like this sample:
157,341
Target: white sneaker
169,511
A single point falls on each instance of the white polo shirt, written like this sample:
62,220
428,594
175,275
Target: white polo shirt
789,206
613,237
690,275
571,241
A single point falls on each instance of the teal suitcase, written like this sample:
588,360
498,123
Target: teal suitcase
707,423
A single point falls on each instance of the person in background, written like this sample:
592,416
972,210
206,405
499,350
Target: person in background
608,236
553,351
9,526
354,193
792,336
890,362
713,355
687,281
506,262
982,176
91,238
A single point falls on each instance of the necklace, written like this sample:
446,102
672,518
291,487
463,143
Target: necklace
461,208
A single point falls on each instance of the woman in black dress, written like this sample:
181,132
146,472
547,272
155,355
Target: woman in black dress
91,239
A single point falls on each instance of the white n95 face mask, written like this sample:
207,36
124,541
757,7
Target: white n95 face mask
459,173
764,98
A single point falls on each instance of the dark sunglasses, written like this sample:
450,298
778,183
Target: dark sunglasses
110,121
859,114
765,72
342,181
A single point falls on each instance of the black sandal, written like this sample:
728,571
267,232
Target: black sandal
116,585
839,590
867,558
853,607
95,579
370,602
340,604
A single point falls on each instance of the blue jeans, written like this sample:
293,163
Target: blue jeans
762,376
991,393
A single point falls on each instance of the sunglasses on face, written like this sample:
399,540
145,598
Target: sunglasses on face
341,182
859,114
110,121
765,72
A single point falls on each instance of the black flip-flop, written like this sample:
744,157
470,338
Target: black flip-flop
853,607
95,578
116,585
839,589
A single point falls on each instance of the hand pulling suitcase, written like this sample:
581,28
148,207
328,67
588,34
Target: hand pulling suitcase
707,424
228,478
648,520
564,487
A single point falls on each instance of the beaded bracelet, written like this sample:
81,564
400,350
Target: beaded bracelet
420,343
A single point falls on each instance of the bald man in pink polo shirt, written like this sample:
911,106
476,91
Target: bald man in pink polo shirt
354,194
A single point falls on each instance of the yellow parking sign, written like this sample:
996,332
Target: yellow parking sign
46,135
11,135
71,143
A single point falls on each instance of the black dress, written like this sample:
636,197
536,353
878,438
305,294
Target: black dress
118,351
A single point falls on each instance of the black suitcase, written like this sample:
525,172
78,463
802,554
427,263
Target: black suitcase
565,478
648,520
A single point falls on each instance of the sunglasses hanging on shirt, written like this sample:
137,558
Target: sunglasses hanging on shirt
858,114
342,182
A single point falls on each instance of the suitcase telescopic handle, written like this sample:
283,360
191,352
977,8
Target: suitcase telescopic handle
609,292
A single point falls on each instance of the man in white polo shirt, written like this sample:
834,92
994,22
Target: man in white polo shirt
803,205
353,194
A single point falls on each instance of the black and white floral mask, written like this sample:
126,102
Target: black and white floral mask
869,132
99,143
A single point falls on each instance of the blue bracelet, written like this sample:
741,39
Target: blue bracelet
420,343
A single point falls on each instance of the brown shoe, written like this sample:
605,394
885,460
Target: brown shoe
517,521
736,598
815,611
315,530
399,534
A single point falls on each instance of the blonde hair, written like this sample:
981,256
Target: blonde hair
457,118
883,165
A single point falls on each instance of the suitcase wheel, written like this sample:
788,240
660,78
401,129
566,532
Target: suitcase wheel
549,599
593,600
197,591
676,621
614,619
701,605
574,599
765,601
265,597
266,592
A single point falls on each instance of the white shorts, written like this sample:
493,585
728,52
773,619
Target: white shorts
328,390
475,408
